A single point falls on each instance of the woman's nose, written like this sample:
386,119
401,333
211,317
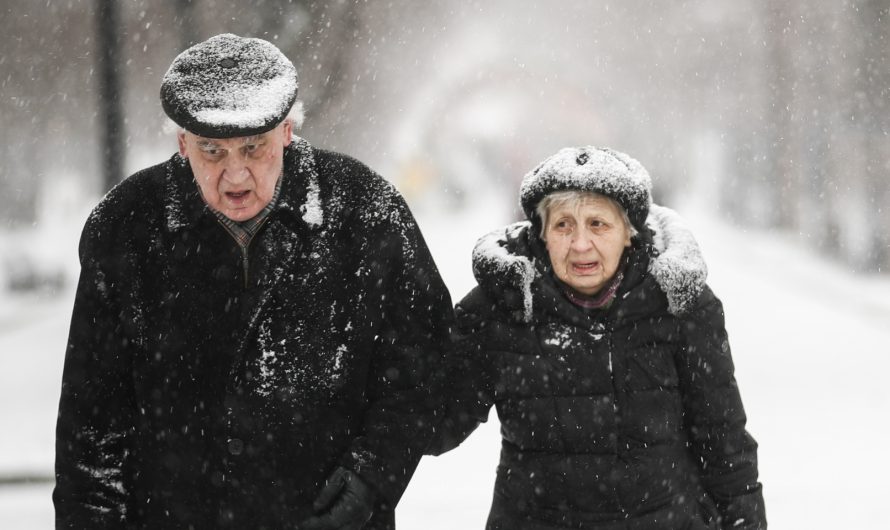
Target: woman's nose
581,243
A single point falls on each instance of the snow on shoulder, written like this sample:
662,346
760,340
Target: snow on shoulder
492,258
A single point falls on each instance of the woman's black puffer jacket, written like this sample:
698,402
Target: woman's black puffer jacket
623,418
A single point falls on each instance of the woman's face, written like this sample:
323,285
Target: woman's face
585,241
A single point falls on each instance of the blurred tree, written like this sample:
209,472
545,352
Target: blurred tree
47,110
186,22
108,50
780,176
872,84
319,37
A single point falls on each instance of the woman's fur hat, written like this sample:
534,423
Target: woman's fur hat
595,169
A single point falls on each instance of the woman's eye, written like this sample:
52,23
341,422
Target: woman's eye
563,226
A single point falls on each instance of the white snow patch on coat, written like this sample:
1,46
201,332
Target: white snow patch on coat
490,253
561,337
107,470
680,268
312,210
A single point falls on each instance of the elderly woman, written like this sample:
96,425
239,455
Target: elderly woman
605,353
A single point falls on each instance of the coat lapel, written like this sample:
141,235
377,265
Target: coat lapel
294,233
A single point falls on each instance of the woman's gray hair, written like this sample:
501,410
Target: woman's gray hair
296,115
574,198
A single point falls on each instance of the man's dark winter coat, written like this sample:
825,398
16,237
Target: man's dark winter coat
622,418
209,388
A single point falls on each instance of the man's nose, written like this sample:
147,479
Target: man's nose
236,170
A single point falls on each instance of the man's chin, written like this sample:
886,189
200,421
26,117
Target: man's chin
240,214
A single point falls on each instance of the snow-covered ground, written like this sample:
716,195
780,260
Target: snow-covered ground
810,343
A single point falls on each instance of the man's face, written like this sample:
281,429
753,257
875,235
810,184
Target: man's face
237,176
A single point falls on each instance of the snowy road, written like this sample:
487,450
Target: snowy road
810,342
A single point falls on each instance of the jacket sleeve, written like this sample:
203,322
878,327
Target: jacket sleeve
715,418
468,394
405,377
95,420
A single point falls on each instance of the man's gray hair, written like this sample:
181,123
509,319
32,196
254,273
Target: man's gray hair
574,198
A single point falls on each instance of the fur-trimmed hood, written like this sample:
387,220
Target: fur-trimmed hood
503,258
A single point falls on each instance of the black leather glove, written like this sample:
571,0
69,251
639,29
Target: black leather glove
345,503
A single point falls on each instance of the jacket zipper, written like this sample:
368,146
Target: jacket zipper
616,409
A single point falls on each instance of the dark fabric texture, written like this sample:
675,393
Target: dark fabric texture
622,418
204,388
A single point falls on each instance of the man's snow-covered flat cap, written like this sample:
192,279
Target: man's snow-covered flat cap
595,169
229,86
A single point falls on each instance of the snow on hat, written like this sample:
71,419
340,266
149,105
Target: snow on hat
229,86
595,169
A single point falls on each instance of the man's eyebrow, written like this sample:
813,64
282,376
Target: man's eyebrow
251,139
211,144
205,144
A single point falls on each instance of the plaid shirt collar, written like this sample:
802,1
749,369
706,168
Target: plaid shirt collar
243,232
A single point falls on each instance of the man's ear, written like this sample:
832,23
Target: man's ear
288,132
181,139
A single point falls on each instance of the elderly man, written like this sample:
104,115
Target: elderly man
257,325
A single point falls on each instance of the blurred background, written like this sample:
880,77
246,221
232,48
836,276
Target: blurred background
772,112
767,117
